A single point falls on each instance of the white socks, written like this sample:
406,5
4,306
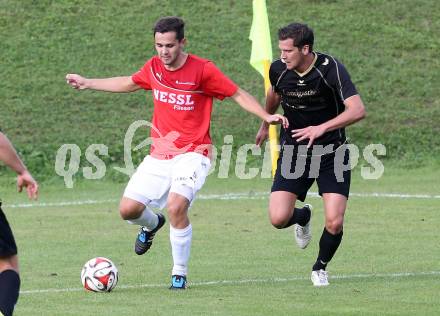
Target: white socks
147,219
181,245
180,240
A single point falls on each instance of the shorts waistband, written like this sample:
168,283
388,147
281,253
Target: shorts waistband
309,153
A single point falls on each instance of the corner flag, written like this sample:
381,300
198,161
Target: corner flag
261,57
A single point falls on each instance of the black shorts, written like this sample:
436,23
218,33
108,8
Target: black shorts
7,242
296,172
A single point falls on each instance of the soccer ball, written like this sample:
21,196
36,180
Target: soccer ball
99,275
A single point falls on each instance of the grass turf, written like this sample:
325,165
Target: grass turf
239,265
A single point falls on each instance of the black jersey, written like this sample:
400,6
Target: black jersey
313,97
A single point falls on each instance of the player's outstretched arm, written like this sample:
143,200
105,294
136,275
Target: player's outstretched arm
250,104
115,84
24,179
272,104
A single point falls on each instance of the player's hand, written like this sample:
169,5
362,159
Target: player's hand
76,81
26,180
278,119
262,134
310,133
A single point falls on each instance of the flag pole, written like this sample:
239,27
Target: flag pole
261,57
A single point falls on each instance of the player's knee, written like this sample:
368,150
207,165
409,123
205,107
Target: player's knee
334,226
128,212
175,210
277,221
9,263
125,212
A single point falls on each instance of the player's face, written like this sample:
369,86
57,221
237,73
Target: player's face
168,47
292,56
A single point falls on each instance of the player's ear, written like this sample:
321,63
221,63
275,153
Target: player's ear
183,41
305,50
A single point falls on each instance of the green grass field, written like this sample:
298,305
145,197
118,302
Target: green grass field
388,263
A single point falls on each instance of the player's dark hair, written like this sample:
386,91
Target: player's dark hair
300,33
170,24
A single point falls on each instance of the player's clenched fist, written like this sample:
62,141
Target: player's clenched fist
76,81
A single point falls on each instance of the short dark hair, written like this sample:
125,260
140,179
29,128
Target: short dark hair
300,33
170,24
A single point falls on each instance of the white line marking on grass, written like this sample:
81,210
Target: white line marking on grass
247,281
61,203
230,196
396,195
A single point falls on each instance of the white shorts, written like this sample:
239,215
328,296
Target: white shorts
184,174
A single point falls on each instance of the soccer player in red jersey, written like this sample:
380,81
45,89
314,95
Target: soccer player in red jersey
9,277
183,87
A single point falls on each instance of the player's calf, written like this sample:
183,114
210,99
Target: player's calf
9,289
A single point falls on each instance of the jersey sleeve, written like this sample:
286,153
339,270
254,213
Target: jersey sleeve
274,75
217,84
340,80
141,77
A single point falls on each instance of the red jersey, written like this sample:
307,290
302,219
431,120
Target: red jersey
183,104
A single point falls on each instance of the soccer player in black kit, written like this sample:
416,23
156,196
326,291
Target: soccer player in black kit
9,277
319,100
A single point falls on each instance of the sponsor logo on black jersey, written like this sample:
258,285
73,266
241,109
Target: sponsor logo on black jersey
301,83
301,94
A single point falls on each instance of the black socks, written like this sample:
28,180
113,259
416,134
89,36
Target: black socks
9,289
328,244
300,216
